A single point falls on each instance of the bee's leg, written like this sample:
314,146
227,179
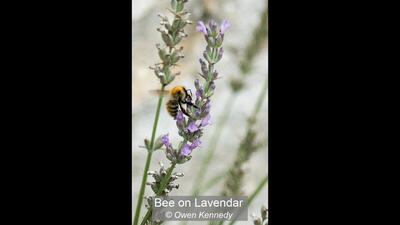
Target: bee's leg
191,104
183,109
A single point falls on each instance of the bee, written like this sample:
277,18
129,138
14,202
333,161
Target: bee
179,95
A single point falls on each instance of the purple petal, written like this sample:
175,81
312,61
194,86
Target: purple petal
195,144
165,140
213,25
224,26
186,150
198,94
208,104
206,120
201,27
179,117
192,127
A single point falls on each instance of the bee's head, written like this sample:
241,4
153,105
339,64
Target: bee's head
188,95
179,92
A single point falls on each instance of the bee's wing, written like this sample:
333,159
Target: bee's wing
160,92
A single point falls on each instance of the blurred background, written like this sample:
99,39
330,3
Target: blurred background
245,60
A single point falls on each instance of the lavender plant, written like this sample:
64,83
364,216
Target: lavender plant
247,147
190,126
236,84
233,182
172,33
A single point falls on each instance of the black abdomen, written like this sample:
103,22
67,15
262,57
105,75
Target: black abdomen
172,107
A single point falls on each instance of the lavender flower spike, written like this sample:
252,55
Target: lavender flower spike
201,27
224,26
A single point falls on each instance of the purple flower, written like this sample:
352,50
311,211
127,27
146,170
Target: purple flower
179,117
199,93
224,26
165,140
192,127
208,104
195,144
206,120
186,150
201,27
213,25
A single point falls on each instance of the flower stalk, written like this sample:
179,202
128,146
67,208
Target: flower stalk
236,84
148,160
171,33
192,120
247,147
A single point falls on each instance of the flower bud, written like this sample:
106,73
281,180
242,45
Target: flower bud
213,25
211,41
179,174
158,143
147,144
220,53
177,39
163,55
258,221
175,25
264,212
167,39
219,40
207,57
179,6
150,173
214,75
197,84
203,65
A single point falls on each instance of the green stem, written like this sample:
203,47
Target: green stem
146,217
257,191
213,144
253,195
260,99
148,160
